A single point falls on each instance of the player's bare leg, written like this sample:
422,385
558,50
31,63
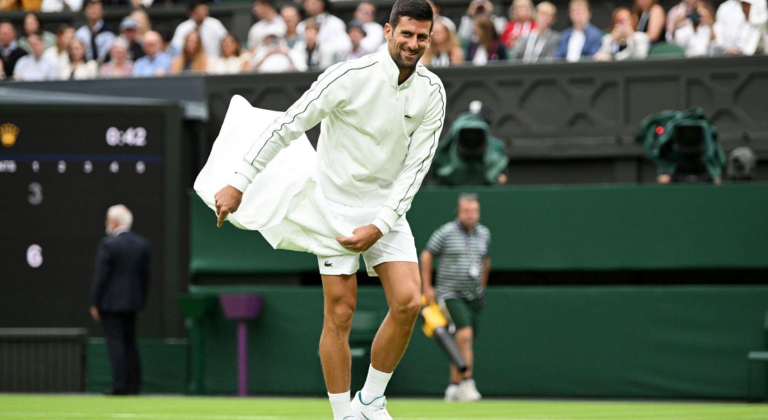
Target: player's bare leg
402,286
340,293
340,298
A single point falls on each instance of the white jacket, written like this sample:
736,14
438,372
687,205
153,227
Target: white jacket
377,139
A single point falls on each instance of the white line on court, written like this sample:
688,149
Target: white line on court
65,416
134,416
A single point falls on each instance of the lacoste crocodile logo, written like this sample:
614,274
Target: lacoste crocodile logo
327,264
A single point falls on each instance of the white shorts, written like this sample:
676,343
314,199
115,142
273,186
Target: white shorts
397,245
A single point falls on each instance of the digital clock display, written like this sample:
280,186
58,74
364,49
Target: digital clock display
60,170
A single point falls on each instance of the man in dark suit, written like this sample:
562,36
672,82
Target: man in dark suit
119,292
10,52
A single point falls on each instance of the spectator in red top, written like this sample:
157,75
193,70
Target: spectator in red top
521,23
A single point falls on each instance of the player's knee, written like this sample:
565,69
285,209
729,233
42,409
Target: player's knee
339,315
407,308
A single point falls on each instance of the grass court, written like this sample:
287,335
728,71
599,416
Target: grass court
70,407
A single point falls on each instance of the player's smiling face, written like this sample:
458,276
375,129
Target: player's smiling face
408,41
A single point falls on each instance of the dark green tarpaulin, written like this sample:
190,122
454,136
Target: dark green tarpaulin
657,132
449,168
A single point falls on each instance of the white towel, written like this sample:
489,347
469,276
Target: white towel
285,202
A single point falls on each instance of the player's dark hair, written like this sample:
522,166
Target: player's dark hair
414,9
269,3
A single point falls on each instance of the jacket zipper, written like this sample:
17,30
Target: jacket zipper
390,118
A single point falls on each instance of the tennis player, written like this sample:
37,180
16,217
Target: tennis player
381,119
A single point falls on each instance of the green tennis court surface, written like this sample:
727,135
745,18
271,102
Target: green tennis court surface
46,407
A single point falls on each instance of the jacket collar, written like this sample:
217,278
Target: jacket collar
99,27
14,45
392,72
120,229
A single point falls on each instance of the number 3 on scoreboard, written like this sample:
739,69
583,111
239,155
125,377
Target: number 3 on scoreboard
136,137
35,193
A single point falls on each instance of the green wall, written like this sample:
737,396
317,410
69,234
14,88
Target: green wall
163,365
619,341
551,228
655,342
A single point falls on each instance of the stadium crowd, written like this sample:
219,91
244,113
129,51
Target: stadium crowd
301,36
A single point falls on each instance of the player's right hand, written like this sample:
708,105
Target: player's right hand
429,293
227,201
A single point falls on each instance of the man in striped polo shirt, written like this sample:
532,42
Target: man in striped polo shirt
462,247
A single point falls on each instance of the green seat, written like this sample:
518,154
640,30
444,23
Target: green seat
666,50
196,310
197,307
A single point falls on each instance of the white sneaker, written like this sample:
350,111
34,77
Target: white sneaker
374,410
350,418
452,393
468,391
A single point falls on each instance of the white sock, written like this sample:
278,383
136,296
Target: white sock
340,404
375,385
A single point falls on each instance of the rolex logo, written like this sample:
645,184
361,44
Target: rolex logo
8,134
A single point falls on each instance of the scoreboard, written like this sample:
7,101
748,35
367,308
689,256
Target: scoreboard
61,168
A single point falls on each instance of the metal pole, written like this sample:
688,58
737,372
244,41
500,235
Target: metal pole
242,358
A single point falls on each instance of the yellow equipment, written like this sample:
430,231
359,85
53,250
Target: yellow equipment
435,325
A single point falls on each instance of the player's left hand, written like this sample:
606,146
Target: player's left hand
362,238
